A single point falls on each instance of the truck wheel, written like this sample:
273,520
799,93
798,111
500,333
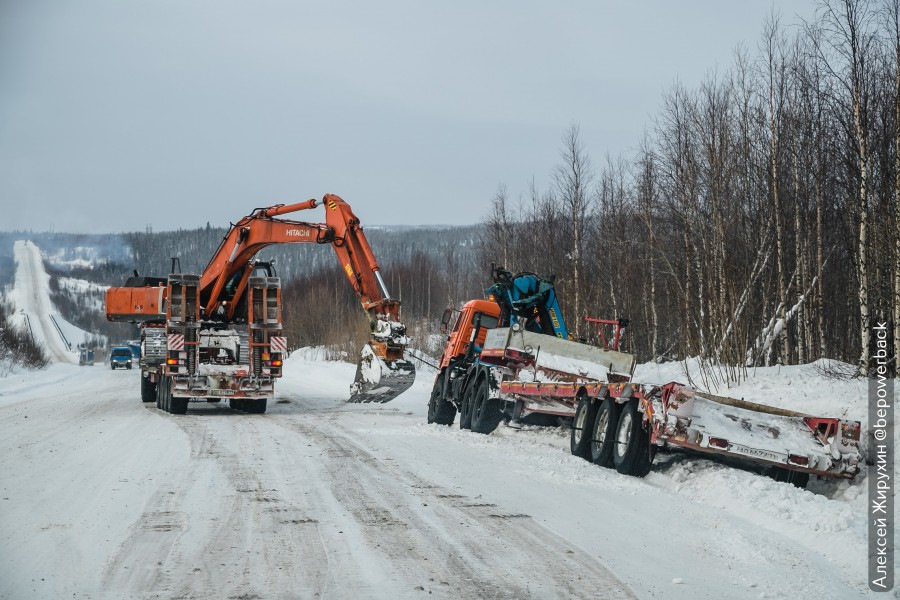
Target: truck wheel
603,433
486,413
148,389
465,407
165,394
580,438
631,452
256,406
177,405
439,410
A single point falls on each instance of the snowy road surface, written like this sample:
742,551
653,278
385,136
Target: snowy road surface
105,497
31,298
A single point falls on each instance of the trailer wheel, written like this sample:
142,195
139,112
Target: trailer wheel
439,410
603,433
486,413
465,407
148,389
256,406
159,392
580,438
631,452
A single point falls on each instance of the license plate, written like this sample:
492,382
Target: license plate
226,392
756,453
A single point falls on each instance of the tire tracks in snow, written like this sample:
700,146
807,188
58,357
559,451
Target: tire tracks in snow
448,544
288,505
216,531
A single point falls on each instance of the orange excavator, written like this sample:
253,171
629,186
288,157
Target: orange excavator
219,334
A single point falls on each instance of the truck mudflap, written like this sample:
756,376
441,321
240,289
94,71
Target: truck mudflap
681,416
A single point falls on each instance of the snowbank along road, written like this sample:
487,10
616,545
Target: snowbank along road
102,496
105,497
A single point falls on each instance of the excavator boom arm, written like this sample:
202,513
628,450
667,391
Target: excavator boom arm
260,229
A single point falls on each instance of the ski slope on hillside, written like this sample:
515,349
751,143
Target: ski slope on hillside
35,312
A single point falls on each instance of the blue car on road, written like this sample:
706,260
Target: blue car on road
120,358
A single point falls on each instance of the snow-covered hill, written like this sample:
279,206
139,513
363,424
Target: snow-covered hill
35,313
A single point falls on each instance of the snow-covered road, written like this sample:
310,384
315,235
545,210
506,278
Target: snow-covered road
105,497
35,312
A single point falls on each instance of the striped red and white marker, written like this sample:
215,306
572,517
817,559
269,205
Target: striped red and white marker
175,341
278,343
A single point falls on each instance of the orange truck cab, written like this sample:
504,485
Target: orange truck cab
459,325
460,376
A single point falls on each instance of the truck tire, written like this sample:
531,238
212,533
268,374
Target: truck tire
256,406
148,389
603,433
236,403
631,452
582,424
486,413
164,394
439,410
159,391
465,406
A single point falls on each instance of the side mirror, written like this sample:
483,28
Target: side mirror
445,321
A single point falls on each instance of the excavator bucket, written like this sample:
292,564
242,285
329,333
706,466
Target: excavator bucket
379,379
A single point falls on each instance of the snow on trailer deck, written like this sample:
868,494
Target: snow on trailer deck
105,497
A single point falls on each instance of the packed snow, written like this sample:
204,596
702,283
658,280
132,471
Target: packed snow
106,497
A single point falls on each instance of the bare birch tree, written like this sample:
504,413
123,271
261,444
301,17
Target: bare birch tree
572,179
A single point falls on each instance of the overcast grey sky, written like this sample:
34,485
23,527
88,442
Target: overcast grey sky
119,114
